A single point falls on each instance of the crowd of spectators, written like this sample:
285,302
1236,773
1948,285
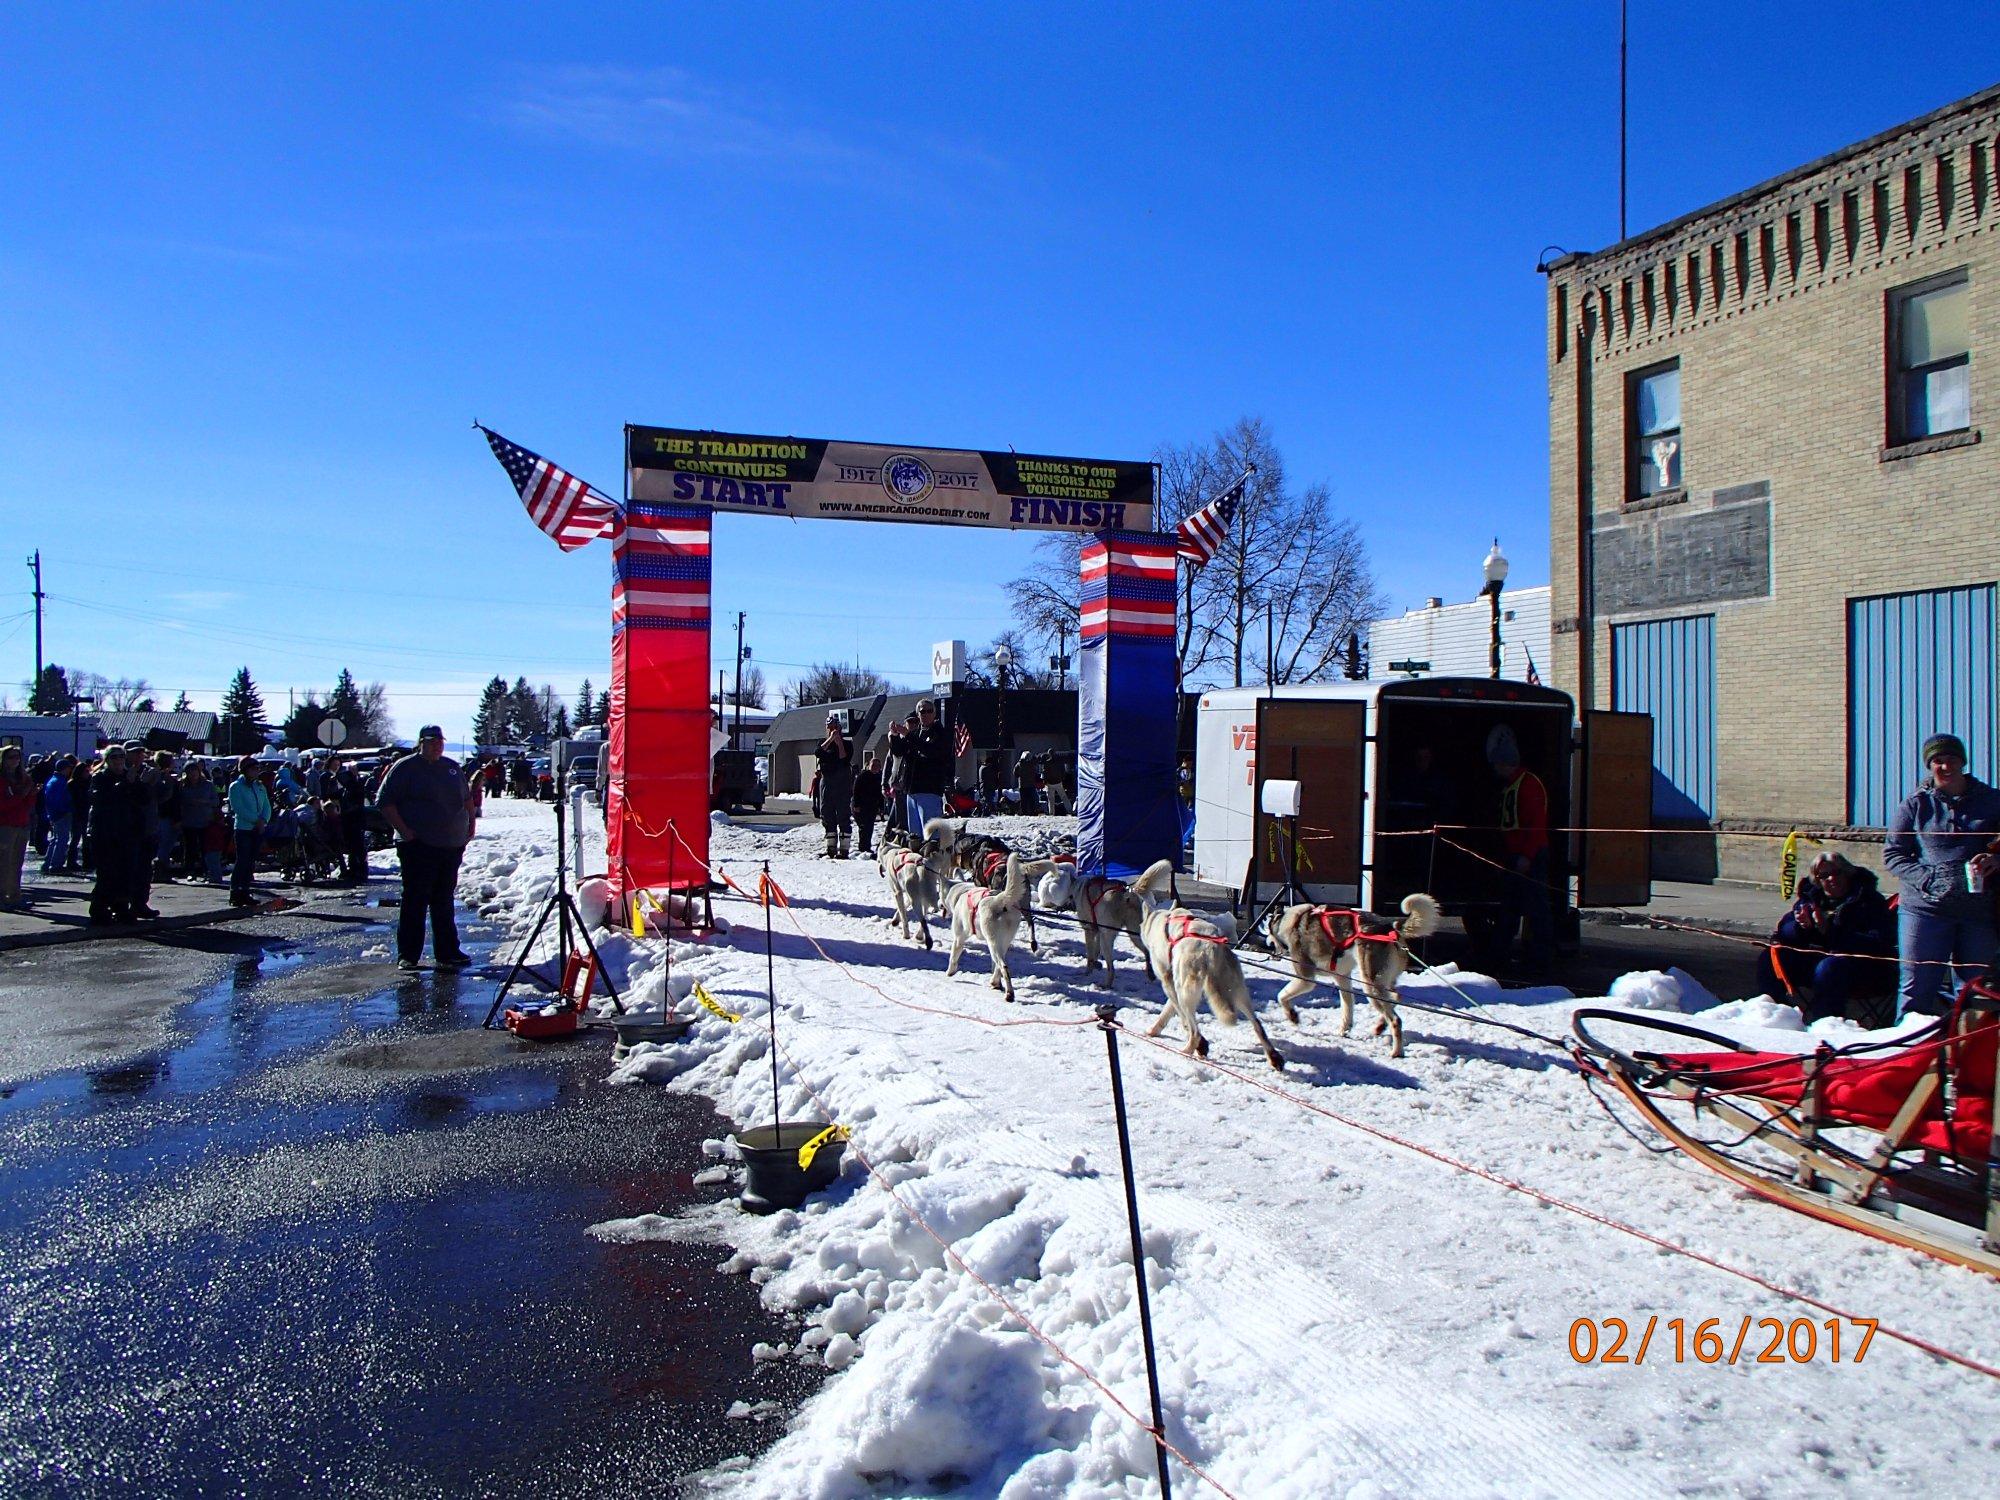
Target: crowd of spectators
130,818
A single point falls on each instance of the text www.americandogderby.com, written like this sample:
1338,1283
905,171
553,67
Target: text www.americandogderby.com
1712,1341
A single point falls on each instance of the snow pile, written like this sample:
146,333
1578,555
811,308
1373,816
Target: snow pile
1335,1314
1647,989
1759,1013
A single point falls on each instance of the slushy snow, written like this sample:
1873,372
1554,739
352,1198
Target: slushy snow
1335,1314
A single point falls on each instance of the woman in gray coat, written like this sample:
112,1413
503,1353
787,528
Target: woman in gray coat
1937,848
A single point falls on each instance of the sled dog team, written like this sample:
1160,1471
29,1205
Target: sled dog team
980,886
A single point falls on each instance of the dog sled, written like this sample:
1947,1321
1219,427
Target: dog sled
1895,1139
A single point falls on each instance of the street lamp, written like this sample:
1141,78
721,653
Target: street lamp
1003,658
1496,575
75,722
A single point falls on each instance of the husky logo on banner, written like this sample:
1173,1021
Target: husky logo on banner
908,479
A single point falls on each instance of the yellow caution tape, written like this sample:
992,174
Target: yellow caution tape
1788,864
708,1003
811,1148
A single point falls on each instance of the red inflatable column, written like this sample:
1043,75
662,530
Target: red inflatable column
657,741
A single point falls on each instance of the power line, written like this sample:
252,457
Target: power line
353,590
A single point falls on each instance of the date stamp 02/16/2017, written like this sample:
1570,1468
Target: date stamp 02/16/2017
1717,1341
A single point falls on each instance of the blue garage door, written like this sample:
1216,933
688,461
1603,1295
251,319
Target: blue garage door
1666,668
1916,664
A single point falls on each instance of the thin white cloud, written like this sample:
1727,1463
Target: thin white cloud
669,112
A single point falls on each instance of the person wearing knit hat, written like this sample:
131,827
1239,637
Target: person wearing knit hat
1945,744
1941,847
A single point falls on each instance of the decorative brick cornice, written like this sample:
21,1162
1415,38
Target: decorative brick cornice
1907,193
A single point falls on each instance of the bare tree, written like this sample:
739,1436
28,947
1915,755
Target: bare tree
1286,551
121,695
377,726
1023,671
753,688
830,682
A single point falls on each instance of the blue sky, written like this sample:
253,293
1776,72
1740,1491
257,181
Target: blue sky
261,268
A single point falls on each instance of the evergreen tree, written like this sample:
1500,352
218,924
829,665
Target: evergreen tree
181,704
242,726
52,693
527,715
586,705
559,727
344,704
489,724
302,724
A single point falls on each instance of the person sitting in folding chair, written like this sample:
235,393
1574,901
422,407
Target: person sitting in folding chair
1833,953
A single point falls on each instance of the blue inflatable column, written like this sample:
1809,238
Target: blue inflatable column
1127,693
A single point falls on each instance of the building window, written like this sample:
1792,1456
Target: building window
1930,349
1654,421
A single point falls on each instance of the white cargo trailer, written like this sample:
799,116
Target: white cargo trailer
51,734
1396,794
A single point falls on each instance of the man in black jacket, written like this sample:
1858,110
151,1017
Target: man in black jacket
929,773
867,801
426,800
115,830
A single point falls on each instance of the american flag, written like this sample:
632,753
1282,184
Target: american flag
1200,534
1534,677
962,741
1128,588
660,568
564,506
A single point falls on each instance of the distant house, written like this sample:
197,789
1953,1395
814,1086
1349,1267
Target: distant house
1457,639
189,731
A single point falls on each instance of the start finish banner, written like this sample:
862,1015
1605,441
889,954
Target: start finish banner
820,479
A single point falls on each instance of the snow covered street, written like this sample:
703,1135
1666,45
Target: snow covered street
1336,1313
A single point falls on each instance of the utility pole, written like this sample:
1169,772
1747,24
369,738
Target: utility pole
35,566
737,729
1062,655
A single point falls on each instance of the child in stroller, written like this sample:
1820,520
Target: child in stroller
303,843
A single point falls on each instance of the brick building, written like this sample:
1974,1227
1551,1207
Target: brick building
1774,523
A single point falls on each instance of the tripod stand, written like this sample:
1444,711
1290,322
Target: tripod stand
563,906
1279,800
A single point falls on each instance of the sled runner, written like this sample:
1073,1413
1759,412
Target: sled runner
1894,1139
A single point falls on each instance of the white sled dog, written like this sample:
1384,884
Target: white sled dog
992,916
1192,959
1349,947
1104,908
913,886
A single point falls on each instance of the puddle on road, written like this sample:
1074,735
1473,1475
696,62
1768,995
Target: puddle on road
330,1163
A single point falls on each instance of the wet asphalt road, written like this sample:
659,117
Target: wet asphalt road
277,1218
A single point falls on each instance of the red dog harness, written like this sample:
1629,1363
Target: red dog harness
1183,932
1343,941
1092,893
973,896
990,864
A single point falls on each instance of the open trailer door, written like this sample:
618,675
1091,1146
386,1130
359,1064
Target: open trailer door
1322,744
1616,866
